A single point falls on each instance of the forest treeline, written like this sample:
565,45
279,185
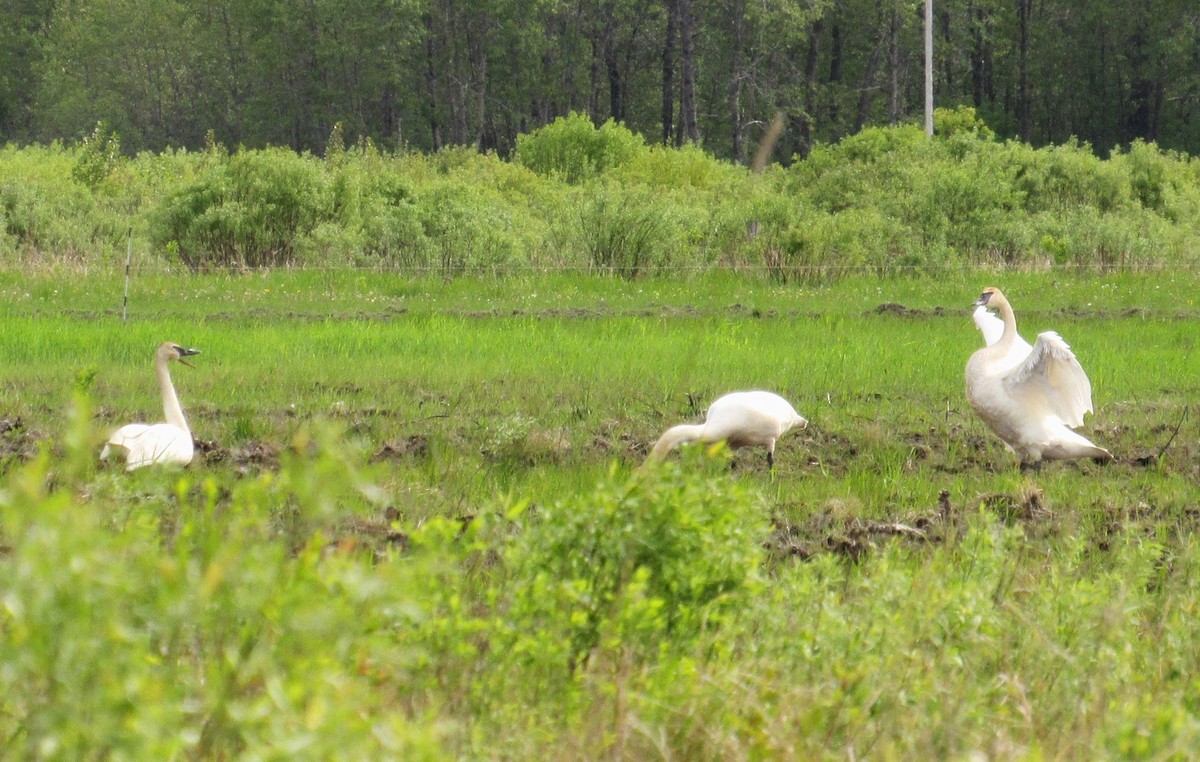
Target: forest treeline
579,197
427,74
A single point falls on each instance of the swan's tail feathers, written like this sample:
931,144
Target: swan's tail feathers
104,452
1073,445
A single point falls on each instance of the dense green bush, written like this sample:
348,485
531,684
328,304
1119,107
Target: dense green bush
249,210
644,565
968,199
572,149
626,230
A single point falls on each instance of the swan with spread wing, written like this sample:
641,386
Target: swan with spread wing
1030,396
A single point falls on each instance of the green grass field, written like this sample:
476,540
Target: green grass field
417,527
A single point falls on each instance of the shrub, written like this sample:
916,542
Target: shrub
97,156
688,168
247,211
46,212
467,227
1069,175
625,230
572,149
822,247
640,565
374,216
958,121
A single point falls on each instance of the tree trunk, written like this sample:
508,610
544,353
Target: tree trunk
1139,122
977,54
835,64
1024,117
668,73
947,60
894,103
812,55
867,91
594,83
431,85
616,95
480,65
689,129
736,77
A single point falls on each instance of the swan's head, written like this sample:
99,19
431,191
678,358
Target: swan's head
169,350
991,297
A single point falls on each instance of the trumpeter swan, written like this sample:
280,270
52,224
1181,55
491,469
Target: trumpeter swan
1031,397
169,442
742,419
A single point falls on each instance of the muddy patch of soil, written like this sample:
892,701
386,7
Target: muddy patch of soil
16,441
412,446
899,310
246,457
854,537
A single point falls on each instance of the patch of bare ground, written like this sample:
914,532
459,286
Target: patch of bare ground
411,446
16,441
375,535
899,310
614,439
838,531
246,457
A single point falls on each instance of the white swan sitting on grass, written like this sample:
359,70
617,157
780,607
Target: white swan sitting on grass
742,419
1031,397
170,442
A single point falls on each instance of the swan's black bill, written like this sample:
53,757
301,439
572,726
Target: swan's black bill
983,299
186,353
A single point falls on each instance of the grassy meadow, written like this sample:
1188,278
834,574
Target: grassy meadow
416,526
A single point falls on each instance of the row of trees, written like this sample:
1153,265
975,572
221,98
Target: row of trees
431,73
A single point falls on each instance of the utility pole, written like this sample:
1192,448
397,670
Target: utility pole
929,67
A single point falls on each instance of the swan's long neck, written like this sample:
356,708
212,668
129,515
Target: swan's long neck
1009,337
171,406
676,435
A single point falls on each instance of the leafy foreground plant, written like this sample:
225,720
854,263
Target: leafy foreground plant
163,615
181,622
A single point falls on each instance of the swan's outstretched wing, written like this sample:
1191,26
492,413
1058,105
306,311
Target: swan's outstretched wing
1051,378
988,324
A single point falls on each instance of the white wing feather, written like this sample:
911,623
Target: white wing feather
1052,373
146,444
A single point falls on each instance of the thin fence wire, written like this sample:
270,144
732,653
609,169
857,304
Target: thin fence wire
166,268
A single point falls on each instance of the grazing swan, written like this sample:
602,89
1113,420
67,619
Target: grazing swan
742,419
169,442
1031,397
